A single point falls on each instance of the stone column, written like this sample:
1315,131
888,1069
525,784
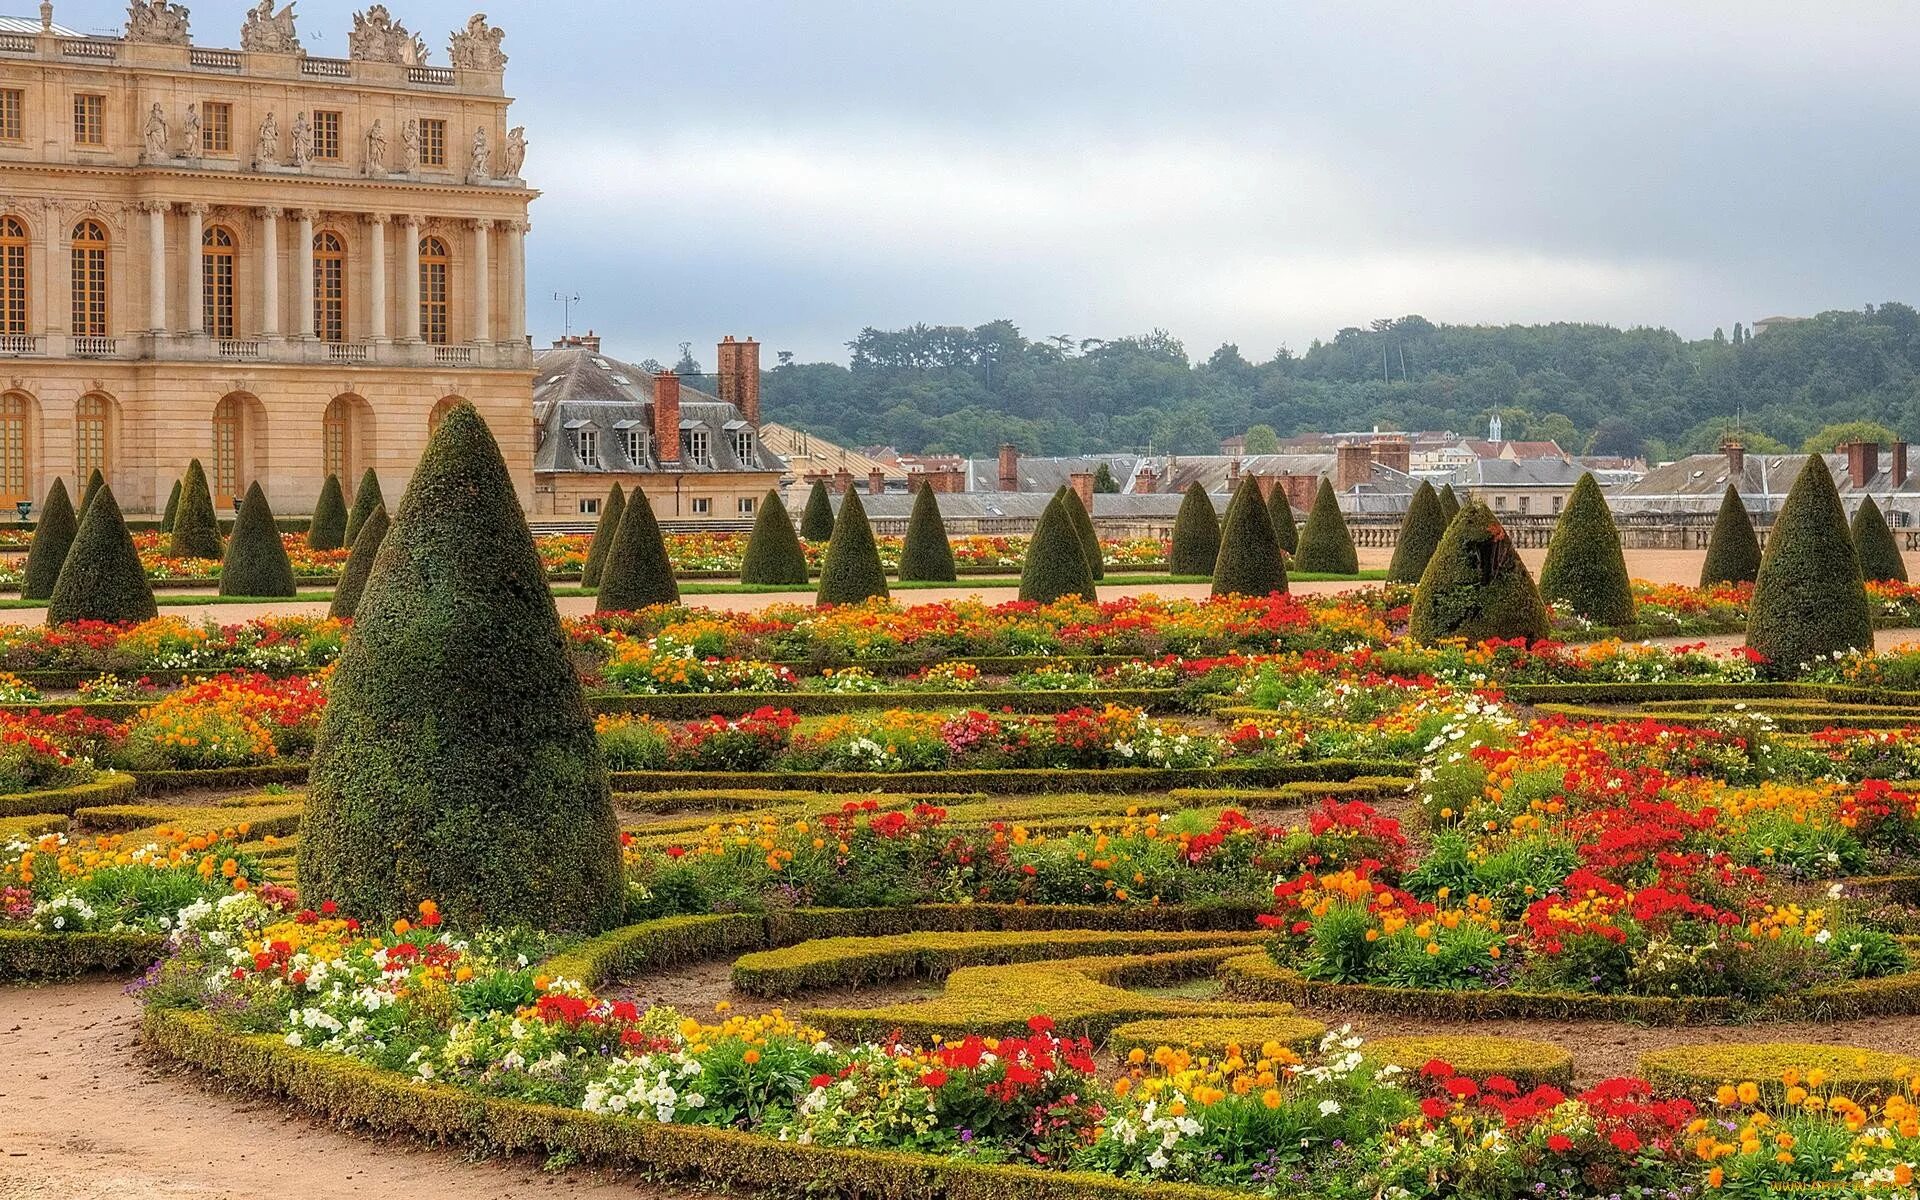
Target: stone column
196,270
410,286
482,281
303,274
156,265
270,272
377,291
516,282
49,298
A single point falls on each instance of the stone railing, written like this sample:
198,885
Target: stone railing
143,55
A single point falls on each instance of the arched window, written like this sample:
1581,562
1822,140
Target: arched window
239,446
13,276
344,434
90,279
216,280
92,421
15,426
329,287
436,271
440,410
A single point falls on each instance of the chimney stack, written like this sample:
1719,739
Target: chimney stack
1009,467
1233,473
1353,465
1736,453
1863,462
876,481
842,481
1394,453
666,417
739,372
1897,469
1146,481
1082,483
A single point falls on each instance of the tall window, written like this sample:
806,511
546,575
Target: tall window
89,279
216,127
326,136
13,276
89,120
635,445
216,279
90,419
13,447
13,115
435,272
433,143
329,287
587,441
697,447
229,421
743,446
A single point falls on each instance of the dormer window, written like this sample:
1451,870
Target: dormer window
635,444
586,442
743,447
698,448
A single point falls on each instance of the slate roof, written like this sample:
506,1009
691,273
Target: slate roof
577,388
1699,480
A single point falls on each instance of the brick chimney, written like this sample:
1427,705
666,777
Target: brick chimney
1266,484
842,482
876,481
1396,453
578,341
1009,467
1736,453
1146,481
1351,465
1233,473
1897,469
740,377
1863,462
947,480
1082,484
666,417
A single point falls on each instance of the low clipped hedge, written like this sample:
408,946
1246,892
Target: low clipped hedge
1528,1063
104,710
160,783
109,788
700,705
1015,782
67,678
26,955
1216,1034
1812,718
32,825
1698,1071
280,821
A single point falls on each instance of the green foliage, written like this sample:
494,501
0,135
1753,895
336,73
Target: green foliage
1733,549
1880,560
1449,503
353,579
1585,567
604,530
457,759
1286,532
1475,586
196,527
637,571
774,553
926,554
328,529
366,498
1196,534
1325,542
1809,599
52,537
95,482
1420,531
1250,562
851,573
102,579
256,563
1829,438
1261,439
1104,484
816,519
173,508
1083,528
1056,563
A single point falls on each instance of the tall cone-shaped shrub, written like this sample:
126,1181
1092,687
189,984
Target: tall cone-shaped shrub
1325,543
851,572
95,482
1250,562
196,527
1808,596
256,563
1420,531
1880,560
1056,564
328,529
774,554
1733,549
1475,586
637,571
1286,533
102,579
816,519
1196,534
457,761
173,508
1449,503
614,508
926,554
353,579
52,538
1083,528
1585,569
366,498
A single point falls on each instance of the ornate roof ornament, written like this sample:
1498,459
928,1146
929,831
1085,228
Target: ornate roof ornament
268,31
157,21
477,47
377,37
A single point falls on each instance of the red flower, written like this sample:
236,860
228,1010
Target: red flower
1559,1143
1462,1087
1434,1107
1040,1023
933,1079
1437,1068
1625,1140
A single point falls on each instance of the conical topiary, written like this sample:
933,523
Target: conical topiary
816,519
1325,544
1250,561
1585,569
1449,503
637,572
1475,586
851,572
1733,549
1056,563
614,508
774,554
1089,540
926,554
1196,534
95,482
366,498
102,579
328,529
1420,531
1809,600
1880,560
256,563
173,508
1286,534
353,579
52,538
196,526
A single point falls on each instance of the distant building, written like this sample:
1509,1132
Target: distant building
1768,324
1695,484
812,458
1373,478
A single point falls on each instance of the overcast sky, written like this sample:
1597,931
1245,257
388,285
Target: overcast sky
1261,172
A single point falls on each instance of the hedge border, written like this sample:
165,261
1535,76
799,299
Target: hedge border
111,787
68,678
161,783
1022,781
27,955
699,705
1676,1070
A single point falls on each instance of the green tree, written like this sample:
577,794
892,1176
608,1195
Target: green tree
1420,531
196,527
173,508
1326,545
637,572
851,572
256,563
1089,540
1286,534
95,482
457,761
1733,549
1250,561
328,529
353,579
604,529
816,519
1809,598
1196,533
1586,569
774,554
102,579
1475,587
1449,503
1261,439
926,554
1056,564
52,538
1104,483
366,498
1831,437
1880,560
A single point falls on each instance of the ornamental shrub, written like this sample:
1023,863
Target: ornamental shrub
1056,563
604,530
1809,599
1585,568
456,761
1196,534
1325,543
1475,586
95,482
256,563
816,519
1083,528
926,554
637,571
1733,549
328,529
851,572
1880,560
102,579
366,498
774,554
1286,531
1250,561
1449,503
353,579
173,508
196,527
1420,531
52,538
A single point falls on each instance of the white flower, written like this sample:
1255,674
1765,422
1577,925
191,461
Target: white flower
1329,1107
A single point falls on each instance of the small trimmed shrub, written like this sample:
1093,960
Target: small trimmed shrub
1325,542
1475,586
1880,560
1083,529
604,529
1585,568
95,482
366,498
1527,1063
1250,562
328,529
1699,1071
851,573
256,563
52,538
774,554
196,526
1196,534
353,579
1809,599
637,572
926,554
1449,502
1733,549
1420,531
1056,562
816,519
102,579
1286,530
173,508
